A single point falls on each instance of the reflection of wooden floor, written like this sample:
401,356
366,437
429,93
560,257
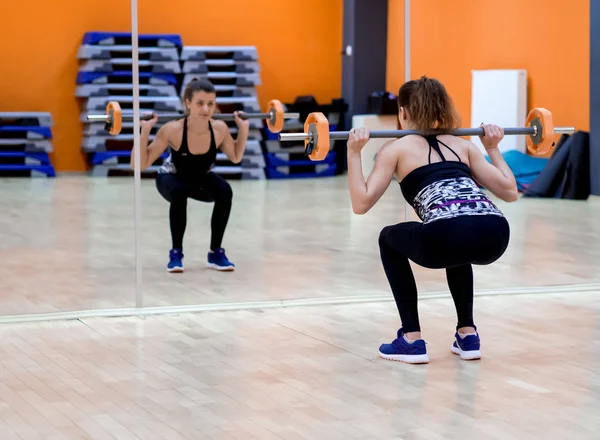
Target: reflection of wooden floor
306,373
68,244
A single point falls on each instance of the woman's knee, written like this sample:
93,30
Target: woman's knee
178,196
171,189
224,192
385,236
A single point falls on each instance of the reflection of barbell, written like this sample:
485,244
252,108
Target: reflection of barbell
317,136
274,116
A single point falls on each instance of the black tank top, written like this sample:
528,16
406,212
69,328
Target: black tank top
194,166
444,189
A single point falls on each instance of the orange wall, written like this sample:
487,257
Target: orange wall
548,38
298,44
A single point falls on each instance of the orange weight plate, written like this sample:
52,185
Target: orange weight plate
318,125
115,117
275,123
542,142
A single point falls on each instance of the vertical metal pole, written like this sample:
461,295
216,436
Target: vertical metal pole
406,40
407,71
594,103
137,176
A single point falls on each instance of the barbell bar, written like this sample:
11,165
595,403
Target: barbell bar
317,137
275,116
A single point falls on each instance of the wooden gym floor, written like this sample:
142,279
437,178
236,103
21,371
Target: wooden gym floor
306,373
68,244
283,373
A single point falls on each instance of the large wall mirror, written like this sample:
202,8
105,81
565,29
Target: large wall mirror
67,234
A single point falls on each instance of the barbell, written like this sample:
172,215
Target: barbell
274,116
540,130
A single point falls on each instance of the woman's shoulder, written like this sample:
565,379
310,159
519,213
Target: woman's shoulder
173,125
219,125
172,131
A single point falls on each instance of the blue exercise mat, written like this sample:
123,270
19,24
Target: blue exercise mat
525,167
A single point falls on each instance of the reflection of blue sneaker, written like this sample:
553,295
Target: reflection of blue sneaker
468,347
175,261
218,260
401,350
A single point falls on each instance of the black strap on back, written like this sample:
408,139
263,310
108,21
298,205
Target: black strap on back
434,142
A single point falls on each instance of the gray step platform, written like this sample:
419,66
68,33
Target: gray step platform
200,53
155,103
112,38
37,145
294,125
248,161
228,78
33,161
40,119
253,148
254,134
250,104
24,132
32,172
97,128
165,103
254,124
98,143
104,170
125,64
234,91
124,161
143,109
274,146
200,67
246,173
96,52
111,78
90,90
224,90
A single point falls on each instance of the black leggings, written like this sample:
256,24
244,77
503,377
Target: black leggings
212,189
451,244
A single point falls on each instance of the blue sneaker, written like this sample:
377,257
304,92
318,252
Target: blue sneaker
400,350
468,348
218,260
175,261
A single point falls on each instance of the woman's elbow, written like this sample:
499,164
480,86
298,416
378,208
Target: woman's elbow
142,168
360,208
511,196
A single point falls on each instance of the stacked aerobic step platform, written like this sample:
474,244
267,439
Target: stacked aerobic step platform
105,74
25,141
287,160
235,72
